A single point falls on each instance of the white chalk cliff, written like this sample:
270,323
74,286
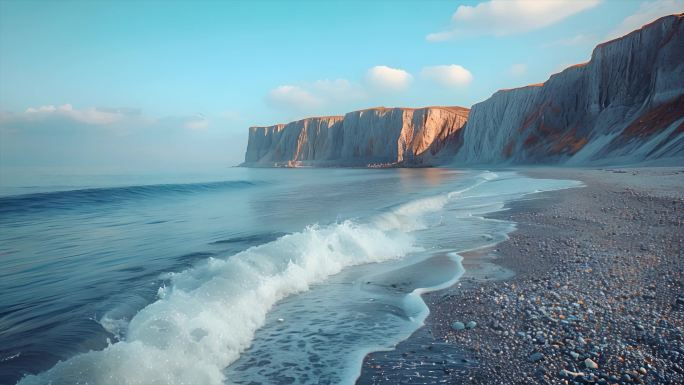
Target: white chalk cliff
373,137
625,105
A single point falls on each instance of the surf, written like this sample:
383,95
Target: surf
206,317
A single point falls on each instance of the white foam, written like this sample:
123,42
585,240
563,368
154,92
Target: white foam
409,216
208,314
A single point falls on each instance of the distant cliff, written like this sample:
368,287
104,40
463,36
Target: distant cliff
373,137
625,105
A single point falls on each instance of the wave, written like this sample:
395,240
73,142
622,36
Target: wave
92,196
207,315
408,216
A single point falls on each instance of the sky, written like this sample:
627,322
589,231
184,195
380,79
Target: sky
145,86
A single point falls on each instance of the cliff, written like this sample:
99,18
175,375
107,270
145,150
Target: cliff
373,137
625,105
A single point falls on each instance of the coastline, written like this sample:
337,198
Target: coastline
593,273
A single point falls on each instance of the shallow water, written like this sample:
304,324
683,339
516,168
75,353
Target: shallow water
252,275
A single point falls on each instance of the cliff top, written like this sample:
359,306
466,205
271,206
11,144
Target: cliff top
455,109
636,31
382,108
599,46
519,88
281,125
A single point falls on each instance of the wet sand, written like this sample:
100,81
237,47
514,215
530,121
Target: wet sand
588,289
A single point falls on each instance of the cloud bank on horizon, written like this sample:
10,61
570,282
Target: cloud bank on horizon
192,108
109,139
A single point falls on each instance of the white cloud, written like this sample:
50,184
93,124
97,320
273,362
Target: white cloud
320,95
452,75
118,120
42,109
295,97
518,70
312,96
508,17
388,78
91,115
308,97
648,12
49,136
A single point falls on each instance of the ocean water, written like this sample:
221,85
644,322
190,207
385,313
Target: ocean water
272,276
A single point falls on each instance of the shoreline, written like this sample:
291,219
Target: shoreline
592,273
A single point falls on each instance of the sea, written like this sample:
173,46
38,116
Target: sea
243,276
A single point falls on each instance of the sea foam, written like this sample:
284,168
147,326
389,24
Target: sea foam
207,315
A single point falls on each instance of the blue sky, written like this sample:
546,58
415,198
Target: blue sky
123,85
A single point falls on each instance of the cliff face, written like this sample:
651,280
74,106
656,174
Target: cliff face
376,136
306,139
625,105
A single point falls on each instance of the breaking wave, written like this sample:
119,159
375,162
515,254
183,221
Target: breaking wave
207,315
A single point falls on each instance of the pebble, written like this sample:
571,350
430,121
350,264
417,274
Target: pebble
587,295
589,364
457,325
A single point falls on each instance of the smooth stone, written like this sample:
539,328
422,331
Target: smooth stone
457,325
590,364
471,325
570,374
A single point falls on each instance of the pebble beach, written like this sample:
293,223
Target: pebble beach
588,290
